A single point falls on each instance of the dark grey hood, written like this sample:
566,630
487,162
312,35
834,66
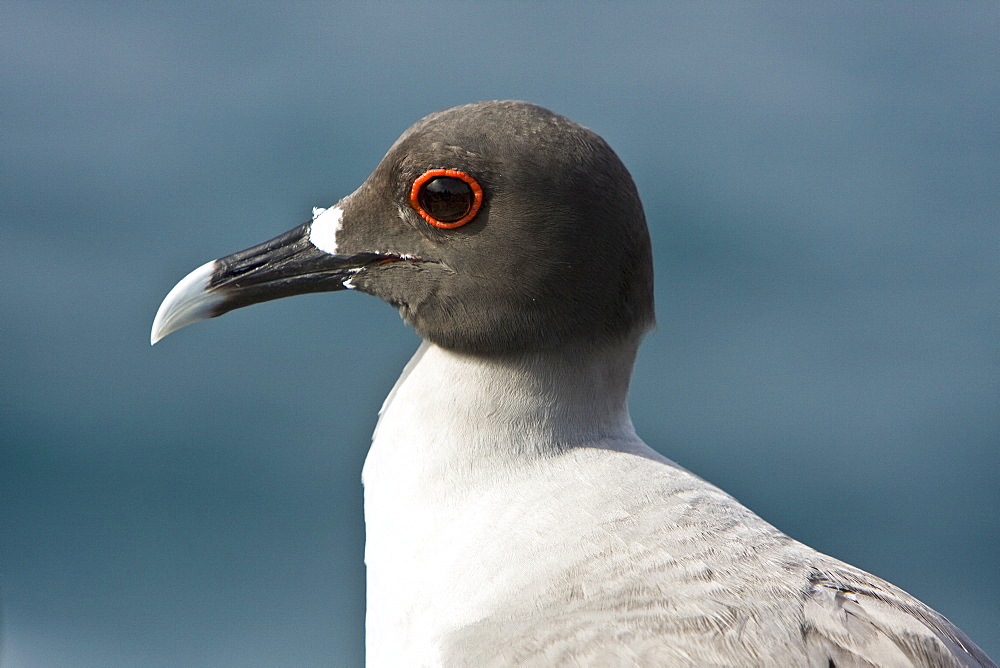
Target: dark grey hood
556,250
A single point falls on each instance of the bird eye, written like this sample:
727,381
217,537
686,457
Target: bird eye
446,198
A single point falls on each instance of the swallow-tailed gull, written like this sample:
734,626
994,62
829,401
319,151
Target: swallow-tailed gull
513,515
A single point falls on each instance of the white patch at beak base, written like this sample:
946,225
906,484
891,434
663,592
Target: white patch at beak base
323,230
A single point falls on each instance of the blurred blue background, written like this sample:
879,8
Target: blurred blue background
822,183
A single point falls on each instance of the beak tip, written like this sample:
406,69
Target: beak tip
191,300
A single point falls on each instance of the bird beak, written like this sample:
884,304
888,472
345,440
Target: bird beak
287,265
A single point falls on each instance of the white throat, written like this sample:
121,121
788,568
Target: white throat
450,410
456,435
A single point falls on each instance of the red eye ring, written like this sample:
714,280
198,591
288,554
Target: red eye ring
477,193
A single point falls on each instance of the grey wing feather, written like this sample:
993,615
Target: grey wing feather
851,618
848,619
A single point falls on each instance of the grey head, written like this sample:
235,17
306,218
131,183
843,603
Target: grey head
494,228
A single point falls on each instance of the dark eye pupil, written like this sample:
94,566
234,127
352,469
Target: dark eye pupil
446,198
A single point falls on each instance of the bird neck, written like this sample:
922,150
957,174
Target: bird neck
454,417
458,437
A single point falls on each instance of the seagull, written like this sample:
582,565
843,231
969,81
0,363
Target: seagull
513,516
